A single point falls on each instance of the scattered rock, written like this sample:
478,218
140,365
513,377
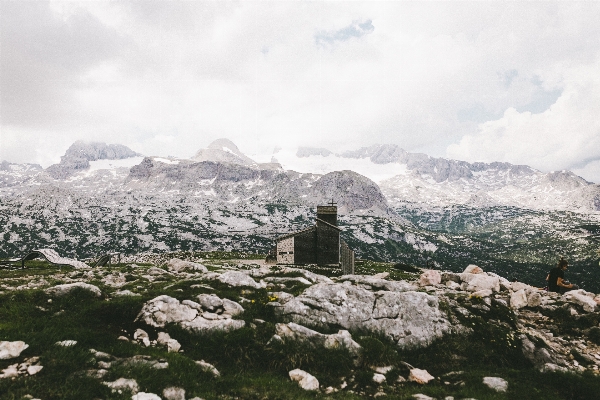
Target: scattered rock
189,315
430,278
420,376
534,299
11,371
305,380
473,269
66,343
238,278
495,383
10,350
62,290
177,265
123,384
420,396
173,346
34,369
582,298
518,299
378,378
174,393
207,367
342,339
145,396
122,293
141,336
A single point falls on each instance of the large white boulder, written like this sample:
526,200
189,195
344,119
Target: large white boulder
411,319
189,315
305,380
62,290
10,350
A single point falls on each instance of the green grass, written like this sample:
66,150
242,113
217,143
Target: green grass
252,367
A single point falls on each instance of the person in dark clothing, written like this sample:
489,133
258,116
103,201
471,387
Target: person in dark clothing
556,278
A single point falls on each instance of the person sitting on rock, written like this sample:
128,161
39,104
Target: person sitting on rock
556,278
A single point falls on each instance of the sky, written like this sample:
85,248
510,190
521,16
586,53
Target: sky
478,81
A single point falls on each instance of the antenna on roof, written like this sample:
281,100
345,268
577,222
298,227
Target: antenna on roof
332,203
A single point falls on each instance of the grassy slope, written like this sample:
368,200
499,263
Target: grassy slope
250,369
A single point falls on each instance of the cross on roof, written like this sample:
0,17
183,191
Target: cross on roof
332,203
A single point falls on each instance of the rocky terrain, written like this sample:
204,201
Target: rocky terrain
207,325
393,205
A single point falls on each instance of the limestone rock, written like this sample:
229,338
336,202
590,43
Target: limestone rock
452,285
480,281
411,319
420,376
377,283
174,393
378,378
163,338
430,278
173,346
141,336
145,396
305,380
189,315
518,299
10,372
421,396
125,293
66,343
482,293
516,286
238,278
580,297
472,269
495,383
129,385
62,290
207,367
177,265
34,369
300,333
10,350
534,299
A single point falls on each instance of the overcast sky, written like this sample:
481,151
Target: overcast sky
476,81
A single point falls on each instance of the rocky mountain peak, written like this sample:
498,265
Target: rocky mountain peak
79,154
223,150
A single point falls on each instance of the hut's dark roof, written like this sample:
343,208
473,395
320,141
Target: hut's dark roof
295,233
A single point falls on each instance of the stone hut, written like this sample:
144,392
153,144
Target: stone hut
319,244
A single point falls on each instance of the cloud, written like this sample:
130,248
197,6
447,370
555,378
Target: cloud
260,74
564,136
355,30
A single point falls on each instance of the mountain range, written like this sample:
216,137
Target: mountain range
393,205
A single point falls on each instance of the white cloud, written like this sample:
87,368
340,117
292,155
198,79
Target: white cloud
418,74
565,136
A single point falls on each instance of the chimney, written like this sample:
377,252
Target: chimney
327,214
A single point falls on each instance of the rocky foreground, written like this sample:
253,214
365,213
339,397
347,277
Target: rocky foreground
378,326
